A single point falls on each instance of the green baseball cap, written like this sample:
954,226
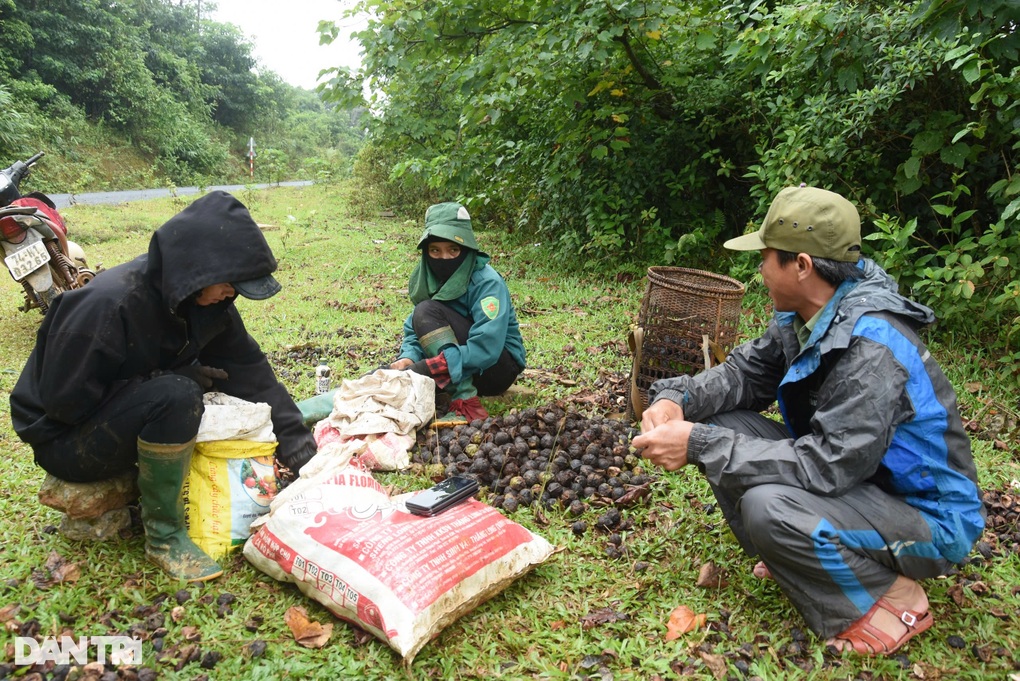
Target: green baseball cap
450,221
808,220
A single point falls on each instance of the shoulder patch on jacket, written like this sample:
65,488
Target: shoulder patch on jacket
490,306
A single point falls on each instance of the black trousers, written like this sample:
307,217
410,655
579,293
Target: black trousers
165,410
430,315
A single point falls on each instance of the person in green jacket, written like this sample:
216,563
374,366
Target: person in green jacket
463,331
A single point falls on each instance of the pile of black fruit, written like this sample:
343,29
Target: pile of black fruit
1002,526
543,455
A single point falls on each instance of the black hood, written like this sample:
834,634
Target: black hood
212,241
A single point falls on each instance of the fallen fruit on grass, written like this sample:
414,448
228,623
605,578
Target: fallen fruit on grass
256,648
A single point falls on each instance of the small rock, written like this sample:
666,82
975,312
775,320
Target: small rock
88,499
106,526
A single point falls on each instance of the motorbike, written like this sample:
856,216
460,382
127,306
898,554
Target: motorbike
38,254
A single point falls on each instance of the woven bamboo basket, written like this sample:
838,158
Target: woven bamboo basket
680,308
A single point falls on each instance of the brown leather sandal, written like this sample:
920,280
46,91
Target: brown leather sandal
866,639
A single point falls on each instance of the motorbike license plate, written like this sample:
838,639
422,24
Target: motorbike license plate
27,260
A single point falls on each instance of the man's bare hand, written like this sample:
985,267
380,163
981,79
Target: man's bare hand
665,445
402,363
659,413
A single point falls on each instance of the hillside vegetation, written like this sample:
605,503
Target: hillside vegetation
143,93
655,130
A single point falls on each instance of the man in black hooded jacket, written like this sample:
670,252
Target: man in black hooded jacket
119,368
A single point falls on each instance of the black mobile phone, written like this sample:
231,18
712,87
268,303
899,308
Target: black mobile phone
442,496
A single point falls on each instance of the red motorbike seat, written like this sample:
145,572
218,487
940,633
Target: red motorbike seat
47,211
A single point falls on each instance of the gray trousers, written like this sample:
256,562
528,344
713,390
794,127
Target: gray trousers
833,557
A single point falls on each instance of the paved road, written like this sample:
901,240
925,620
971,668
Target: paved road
65,200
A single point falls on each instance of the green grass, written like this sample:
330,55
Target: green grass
344,298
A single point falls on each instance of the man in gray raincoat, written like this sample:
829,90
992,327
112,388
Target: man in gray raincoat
869,485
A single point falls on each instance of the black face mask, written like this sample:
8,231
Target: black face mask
442,268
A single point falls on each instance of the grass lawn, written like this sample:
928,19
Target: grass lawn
595,610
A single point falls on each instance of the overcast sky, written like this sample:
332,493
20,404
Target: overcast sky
284,35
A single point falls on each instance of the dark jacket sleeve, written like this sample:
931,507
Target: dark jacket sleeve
251,378
858,408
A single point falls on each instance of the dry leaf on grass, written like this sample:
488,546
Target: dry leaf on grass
711,576
956,593
633,494
603,616
56,570
683,620
306,632
715,663
61,570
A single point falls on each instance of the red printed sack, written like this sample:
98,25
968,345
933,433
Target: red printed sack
345,543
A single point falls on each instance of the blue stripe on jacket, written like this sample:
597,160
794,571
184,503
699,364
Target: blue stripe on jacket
917,459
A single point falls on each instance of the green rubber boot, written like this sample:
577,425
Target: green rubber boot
162,469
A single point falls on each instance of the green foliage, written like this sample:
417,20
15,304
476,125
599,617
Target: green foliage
13,126
186,92
656,130
560,117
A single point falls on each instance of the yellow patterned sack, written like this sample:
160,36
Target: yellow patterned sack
230,484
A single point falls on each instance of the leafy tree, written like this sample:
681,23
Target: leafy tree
13,127
656,129
15,35
183,89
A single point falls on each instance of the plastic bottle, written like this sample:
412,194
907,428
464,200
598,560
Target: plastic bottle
322,378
